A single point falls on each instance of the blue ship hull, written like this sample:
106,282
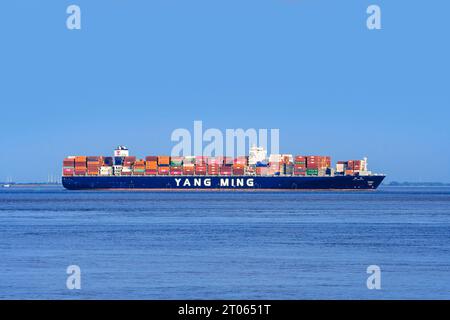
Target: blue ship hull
222,182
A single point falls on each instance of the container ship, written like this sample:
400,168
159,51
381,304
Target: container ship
255,171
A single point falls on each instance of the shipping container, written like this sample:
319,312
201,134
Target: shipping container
151,164
226,170
189,169
69,162
163,170
189,160
176,171
262,171
118,161
106,171
176,161
163,160
151,172
200,169
312,172
68,172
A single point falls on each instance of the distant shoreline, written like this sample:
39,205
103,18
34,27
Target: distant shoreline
29,184
416,184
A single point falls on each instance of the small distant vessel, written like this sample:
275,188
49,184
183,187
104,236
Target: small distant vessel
256,171
8,182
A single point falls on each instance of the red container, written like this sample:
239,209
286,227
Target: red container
176,171
69,162
129,161
200,170
188,171
68,172
240,161
238,172
226,170
150,172
151,158
213,169
163,170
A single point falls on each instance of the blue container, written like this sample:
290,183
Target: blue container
118,161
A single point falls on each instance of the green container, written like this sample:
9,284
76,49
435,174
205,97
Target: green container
312,172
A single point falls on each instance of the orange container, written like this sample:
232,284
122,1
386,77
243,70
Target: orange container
139,163
151,165
163,160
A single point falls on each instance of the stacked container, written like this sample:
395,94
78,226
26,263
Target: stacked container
278,164
69,166
151,165
227,166
128,162
80,166
262,171
317,165
163,165
176,161
200,169
239,165
226,170
139,168
126,171
200,165
214,165
176,166
300,165
189,166
106,170
355,165
341,166
117,170
93,165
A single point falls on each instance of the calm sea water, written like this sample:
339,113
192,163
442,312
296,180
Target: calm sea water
143,245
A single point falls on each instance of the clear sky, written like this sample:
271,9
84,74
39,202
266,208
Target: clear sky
137,70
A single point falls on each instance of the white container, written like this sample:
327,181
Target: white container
340,167
106,171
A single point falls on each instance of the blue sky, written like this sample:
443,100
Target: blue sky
137,70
